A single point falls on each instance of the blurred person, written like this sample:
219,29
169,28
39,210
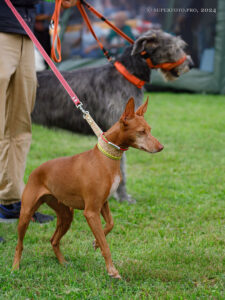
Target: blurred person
115,41
125,5
111,7
17,97
108,8
87,45
44,11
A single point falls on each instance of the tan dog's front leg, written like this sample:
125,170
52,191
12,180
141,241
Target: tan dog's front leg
94,221
105,211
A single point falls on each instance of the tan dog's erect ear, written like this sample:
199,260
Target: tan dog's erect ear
128,112
142,109
140,44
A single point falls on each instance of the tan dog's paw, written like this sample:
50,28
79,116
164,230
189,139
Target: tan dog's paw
64,263
95,245
112,272
15,267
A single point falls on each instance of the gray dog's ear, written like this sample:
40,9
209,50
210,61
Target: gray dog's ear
180,43
140,44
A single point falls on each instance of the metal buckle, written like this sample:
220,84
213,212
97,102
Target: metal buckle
80,107
112,60
51,25
114,145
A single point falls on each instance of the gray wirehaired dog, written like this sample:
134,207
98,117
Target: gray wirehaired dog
104,91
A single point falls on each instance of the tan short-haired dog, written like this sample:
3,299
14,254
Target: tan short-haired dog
85,181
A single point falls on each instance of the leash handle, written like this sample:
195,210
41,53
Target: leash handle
80,3
55,21
62,80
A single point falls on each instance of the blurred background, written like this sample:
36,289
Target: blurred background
200,23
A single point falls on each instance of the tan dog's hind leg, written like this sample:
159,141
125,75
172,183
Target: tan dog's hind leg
64,219
105,211
28,208
94,221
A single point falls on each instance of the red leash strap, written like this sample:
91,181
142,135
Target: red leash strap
62,80
55,20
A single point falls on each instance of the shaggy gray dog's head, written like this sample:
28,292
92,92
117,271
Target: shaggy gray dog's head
163,47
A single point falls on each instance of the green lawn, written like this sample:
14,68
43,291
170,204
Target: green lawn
170,245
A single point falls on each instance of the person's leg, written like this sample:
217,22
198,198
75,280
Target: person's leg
9,60
23,93
16,138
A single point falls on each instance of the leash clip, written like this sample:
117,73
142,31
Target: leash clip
112,60
114,145
85,112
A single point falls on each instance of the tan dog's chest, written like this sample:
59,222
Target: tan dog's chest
115,184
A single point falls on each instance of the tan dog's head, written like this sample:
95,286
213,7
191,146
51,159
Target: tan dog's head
135,130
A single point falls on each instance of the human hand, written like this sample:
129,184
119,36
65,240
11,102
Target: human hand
68,3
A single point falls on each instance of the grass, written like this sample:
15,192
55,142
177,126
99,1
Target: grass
170,245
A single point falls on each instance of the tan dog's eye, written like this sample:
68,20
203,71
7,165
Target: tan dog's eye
141,131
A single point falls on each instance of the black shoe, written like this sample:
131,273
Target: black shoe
10,213
2,240
41,218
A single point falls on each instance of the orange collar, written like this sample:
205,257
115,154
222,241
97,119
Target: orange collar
164,66
130,77
138,82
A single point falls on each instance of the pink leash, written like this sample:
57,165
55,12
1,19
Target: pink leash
64,83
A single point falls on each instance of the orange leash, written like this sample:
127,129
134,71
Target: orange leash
88,23
121,68
55,21
100,16
165,66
